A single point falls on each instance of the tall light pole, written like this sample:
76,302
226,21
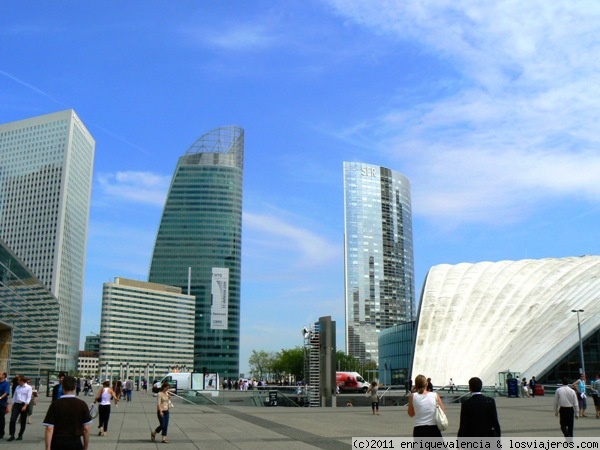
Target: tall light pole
580,340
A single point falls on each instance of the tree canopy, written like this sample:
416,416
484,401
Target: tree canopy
288,364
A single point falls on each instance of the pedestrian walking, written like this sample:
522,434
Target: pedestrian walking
421,406
429,385
32,403
163,406
580,387
68,420
4,394
478,414
57,390
129,387
374,396
118,390
105,394
567,407
594,387
524,387
532,384
20,402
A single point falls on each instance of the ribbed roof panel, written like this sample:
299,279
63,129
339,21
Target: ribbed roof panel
485,318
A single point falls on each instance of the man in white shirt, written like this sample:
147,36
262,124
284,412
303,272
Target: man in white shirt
20,402
565,404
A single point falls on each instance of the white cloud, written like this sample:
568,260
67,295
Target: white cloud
519,128
232,36
138,187
299,246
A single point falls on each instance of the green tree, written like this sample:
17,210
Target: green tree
346,363
261,364
292,362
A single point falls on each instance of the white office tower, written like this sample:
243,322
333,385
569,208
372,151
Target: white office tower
46,165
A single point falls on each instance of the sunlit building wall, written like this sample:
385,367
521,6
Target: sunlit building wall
379,263
87,365
46,167
145,328
28,319
200,236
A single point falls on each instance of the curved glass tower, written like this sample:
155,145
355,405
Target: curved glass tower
379,266
200,239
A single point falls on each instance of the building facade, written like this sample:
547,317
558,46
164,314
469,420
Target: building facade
145,328
396,345
508,317
28,319
379,263
92,343
45,188
87,366
200,240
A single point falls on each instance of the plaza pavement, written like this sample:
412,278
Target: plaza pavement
244,427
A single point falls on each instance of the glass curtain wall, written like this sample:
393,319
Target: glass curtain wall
200,234
379,267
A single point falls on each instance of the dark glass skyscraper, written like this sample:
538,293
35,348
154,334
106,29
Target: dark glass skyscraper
379,267
200,239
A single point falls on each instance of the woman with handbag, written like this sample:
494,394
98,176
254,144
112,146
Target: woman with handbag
422,405
163,405
105,394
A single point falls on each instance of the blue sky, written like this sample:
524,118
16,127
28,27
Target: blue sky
489,108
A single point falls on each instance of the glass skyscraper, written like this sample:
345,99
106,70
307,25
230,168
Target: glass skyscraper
200,240
46,165
379,266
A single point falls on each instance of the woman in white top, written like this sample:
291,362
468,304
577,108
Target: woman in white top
163,404
524,388
421,406
104,396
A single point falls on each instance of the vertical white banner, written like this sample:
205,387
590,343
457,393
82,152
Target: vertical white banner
219,298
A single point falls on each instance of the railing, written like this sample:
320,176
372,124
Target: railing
287,396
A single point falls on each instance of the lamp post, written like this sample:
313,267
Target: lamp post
580,340
384,371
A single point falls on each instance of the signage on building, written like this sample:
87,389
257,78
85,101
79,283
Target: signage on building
368,171
219,298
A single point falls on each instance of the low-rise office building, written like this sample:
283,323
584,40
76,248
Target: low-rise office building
87,366
147,329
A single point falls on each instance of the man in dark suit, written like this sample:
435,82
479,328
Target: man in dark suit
478,415
57,390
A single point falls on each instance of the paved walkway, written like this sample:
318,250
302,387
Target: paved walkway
238,427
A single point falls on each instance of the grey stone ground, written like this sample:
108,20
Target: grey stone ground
241,427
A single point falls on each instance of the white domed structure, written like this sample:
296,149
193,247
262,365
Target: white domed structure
486,318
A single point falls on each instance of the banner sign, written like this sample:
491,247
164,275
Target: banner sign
219,298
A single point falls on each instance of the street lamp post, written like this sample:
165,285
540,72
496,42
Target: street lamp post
580,340
384,372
